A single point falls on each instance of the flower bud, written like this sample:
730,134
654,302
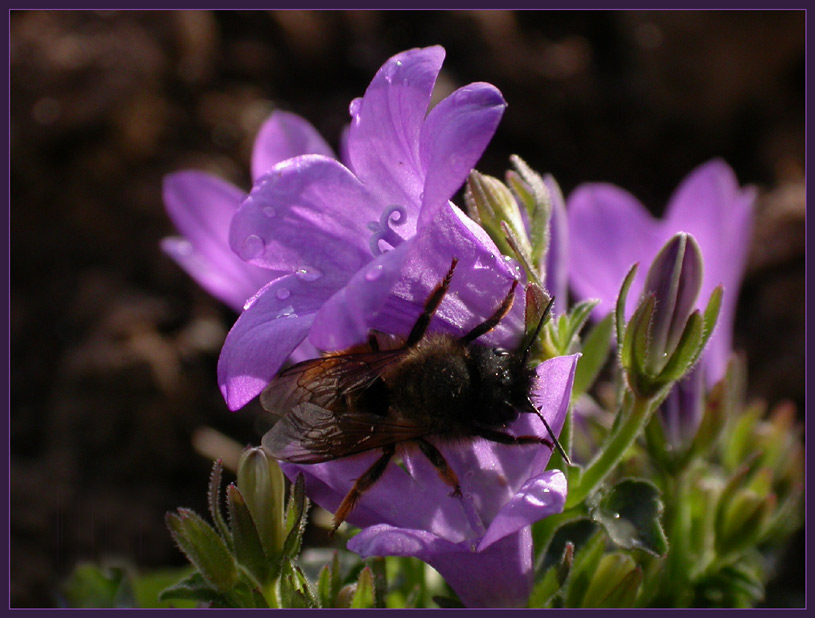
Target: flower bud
674,278
261,485
666,333
491,203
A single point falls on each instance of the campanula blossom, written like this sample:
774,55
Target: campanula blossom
355,241
610,230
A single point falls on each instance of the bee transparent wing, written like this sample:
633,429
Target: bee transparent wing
311,434
324,381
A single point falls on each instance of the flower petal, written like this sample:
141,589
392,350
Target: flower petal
201,206
481,281
391,500
282,136
383,142
539,497
345,319
499,576
310,213
609,231
453,139
275,322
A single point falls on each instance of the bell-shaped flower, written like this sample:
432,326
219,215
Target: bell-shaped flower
372,238
609,231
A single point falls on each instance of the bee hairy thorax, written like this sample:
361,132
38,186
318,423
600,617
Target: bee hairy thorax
450,385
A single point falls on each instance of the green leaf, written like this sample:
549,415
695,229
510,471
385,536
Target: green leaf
631,513
204,548
194,588
214,500
595,352
246,540
296,518
364,594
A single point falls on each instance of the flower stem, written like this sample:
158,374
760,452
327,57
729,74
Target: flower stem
626,433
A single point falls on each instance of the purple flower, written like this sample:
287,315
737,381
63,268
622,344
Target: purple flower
610,231
202,205
356,242
481,544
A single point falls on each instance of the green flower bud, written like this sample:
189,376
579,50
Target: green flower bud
261,486
615,583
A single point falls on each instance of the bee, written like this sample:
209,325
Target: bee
435,387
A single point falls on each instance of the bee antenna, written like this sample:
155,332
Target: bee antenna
537,332
558,446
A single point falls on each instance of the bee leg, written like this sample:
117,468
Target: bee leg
504,438
491,322
362,484
430,305
440,463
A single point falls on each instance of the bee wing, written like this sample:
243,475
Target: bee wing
311,434
324,381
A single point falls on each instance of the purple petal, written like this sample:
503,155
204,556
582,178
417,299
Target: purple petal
392,499
266,333
539,497
609,232
201,207
346,318
557,258
499,576
383,142
309,214
481,281
285,135
453,139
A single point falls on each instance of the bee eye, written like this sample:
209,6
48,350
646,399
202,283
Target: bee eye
500,352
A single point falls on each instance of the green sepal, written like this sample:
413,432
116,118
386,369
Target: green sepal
631,513
295,518
687,350
204,548
635,344
246,540
619,307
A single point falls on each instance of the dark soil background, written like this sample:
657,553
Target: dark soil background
114,348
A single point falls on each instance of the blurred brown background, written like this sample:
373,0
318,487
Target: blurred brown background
113,347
